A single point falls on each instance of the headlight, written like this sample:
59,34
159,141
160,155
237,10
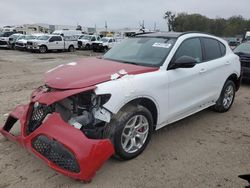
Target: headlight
99,100
35,43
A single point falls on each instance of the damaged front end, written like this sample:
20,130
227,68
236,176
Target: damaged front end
65,128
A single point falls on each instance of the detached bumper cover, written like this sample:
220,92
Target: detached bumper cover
64,148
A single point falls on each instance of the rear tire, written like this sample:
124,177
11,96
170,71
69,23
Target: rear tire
130,131
71,49
226,99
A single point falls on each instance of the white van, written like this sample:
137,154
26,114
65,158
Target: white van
68,34
247,36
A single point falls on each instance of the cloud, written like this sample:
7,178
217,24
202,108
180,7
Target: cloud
118,13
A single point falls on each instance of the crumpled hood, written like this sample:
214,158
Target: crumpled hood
89,72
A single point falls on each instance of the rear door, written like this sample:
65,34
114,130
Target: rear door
215,64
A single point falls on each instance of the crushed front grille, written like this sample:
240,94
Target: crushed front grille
56,152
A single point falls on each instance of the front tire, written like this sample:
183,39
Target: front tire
43,49
88,47
226,99
132,129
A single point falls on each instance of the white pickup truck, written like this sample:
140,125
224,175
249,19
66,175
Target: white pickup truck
104,44
50,43
86,41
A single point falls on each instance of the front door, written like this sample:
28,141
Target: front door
187,86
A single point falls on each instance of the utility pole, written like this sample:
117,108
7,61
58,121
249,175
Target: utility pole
106,26
154,26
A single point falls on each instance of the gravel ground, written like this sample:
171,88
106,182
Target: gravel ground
207,149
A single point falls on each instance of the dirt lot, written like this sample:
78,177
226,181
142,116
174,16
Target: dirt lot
205,150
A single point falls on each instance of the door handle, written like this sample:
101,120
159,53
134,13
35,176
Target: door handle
228,63
203,70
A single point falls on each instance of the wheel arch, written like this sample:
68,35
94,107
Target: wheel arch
148,103
71,45
237,81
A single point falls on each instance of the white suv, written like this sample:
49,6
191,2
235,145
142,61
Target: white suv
98,107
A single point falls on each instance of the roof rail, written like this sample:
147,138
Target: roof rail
190,32
142,33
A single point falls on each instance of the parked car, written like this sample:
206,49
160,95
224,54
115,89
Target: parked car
243,51
51,42
4,39
89,110
86,41
21,43
12,40
233,42
104,44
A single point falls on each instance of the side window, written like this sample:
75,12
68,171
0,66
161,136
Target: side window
93,39
52,39
58,39
222,49
110,40
190,47
212,49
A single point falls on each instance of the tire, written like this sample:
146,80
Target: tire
87,47
226,98
105,49
71,48
43,49
129,136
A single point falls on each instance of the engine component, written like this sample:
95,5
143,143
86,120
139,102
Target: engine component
81,121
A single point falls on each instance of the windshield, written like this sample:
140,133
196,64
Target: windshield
248,38
29,37
44,37
244,48
147,51
85,37
14,36
7,34
104,39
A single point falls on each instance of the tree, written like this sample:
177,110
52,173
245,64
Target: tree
232,27
169,17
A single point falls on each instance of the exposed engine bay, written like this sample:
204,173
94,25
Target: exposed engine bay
83,111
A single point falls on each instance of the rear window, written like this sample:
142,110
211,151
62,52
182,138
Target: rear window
212,49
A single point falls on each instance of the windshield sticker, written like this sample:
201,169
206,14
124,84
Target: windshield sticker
162,45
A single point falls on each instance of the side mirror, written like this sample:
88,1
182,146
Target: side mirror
183,62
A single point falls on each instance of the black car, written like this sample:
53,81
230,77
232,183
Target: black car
243,51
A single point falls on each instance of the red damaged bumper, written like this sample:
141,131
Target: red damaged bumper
63,147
